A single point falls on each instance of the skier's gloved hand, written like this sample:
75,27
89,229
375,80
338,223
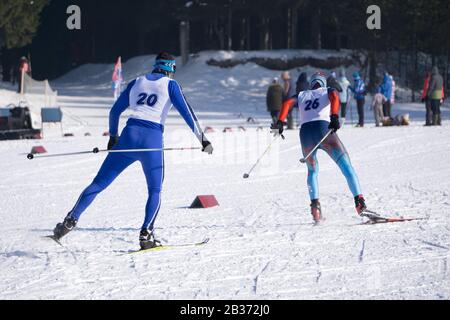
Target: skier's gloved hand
334,123
112,142
207,146
277,128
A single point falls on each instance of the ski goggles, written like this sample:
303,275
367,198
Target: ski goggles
166,65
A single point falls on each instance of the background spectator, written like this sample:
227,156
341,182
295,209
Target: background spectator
344,94
377,105
333,83
429,113
435,95
274,99
288,92
24,66
359,91
302,83
394,88
386,90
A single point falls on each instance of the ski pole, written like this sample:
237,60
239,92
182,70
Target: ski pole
247,175
97,150
317,146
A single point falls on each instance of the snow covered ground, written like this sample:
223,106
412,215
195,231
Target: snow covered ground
263,245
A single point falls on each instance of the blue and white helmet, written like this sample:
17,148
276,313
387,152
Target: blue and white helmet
320,78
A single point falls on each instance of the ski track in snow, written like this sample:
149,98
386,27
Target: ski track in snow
263,243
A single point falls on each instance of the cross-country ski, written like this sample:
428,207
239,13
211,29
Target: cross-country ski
162,247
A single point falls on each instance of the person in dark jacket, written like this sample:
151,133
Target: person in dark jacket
344,95
435,95
288,92
386,90
24,68
359,91
333,83
302,83
428,112
274,99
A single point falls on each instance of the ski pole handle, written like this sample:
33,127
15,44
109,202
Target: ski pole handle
303,160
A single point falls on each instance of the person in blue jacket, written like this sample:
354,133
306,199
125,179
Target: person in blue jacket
386,90
359,91
149,98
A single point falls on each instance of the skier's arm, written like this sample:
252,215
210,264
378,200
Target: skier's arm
287,106
334,101
118,108
179,102
334,110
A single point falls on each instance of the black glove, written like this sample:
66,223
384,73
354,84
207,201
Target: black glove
207,146
112,142
424,100
334,123
277,128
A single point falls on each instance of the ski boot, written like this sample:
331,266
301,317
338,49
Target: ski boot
147,240
361,209
64,228
316,211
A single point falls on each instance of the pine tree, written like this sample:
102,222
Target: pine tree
19,20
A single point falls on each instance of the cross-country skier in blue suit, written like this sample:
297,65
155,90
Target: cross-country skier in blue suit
149,97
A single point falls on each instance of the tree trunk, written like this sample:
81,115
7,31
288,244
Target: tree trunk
294,28
294,23
230,27
265,34
184,41
447,69
249,34
289,29
338,34
220,34
372,70
243,36
315,29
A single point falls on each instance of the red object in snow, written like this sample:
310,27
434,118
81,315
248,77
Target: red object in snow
207,201
38,150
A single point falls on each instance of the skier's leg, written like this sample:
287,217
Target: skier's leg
310,136
334,147
313,174
153,166
113,165
336,150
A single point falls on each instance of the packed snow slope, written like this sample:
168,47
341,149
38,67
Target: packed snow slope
262,242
